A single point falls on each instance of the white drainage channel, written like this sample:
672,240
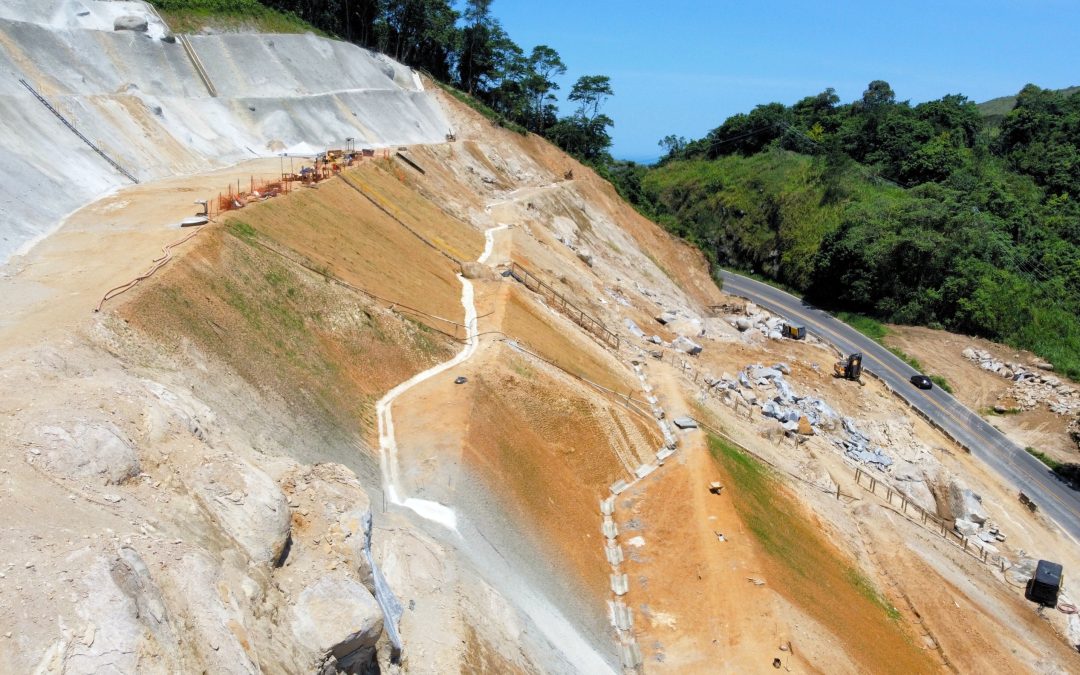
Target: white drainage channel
619,613
388,450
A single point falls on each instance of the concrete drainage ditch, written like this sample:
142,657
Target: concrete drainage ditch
620,614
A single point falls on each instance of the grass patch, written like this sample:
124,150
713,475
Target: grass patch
868,326
910,360
808,571
241,230
942,383
191,16
1044,458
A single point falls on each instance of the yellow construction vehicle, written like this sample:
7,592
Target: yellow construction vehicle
849,368
793,331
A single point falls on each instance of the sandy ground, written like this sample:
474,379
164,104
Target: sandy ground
940,352
59,282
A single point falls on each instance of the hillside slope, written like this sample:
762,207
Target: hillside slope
141,101
428,416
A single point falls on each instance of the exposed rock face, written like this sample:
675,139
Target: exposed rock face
965,504
247,505
138,24
87,449
338,621
686,345
475,270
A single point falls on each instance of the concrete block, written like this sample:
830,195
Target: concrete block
609,529
620,584
630,653
607,506
644,470
624,617
685,423
614,553
664,453
618,487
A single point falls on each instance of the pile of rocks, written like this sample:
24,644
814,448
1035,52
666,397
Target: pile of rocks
1034,385
758,320
804,415
969,516
682,326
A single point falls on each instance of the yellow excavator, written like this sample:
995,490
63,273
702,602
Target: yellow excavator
849,368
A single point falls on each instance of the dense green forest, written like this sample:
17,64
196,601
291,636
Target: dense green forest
930,214
461,45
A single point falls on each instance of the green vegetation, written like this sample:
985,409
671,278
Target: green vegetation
915,214
941,382
189,16
1044,458
868,326
241,230
478,106
792,541
910,360
1007,411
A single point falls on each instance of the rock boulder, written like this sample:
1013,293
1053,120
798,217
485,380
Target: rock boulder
138,24
338,621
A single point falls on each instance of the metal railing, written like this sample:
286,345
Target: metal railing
559,301
78,133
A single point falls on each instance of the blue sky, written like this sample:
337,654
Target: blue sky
682,67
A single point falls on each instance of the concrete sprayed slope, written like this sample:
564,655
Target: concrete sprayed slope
142,102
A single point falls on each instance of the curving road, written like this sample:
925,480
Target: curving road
1015,466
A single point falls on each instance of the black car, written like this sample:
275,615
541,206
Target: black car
922,382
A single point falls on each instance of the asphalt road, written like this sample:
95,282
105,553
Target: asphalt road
1016,467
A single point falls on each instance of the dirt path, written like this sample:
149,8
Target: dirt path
695,609
388,449
57,284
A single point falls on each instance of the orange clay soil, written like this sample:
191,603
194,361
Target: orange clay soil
695,609
337,229
547,335
544,450
547,445
980,628
282,328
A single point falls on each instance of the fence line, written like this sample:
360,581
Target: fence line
78,133
866,480
922,517
578,316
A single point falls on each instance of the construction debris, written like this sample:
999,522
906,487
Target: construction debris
685,423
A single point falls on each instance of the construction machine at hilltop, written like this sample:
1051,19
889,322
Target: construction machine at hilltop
849,368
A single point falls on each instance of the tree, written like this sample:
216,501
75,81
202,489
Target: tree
543,65
672,144
590,92
585,133
475,60
878,94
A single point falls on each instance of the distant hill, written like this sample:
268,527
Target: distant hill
995,110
